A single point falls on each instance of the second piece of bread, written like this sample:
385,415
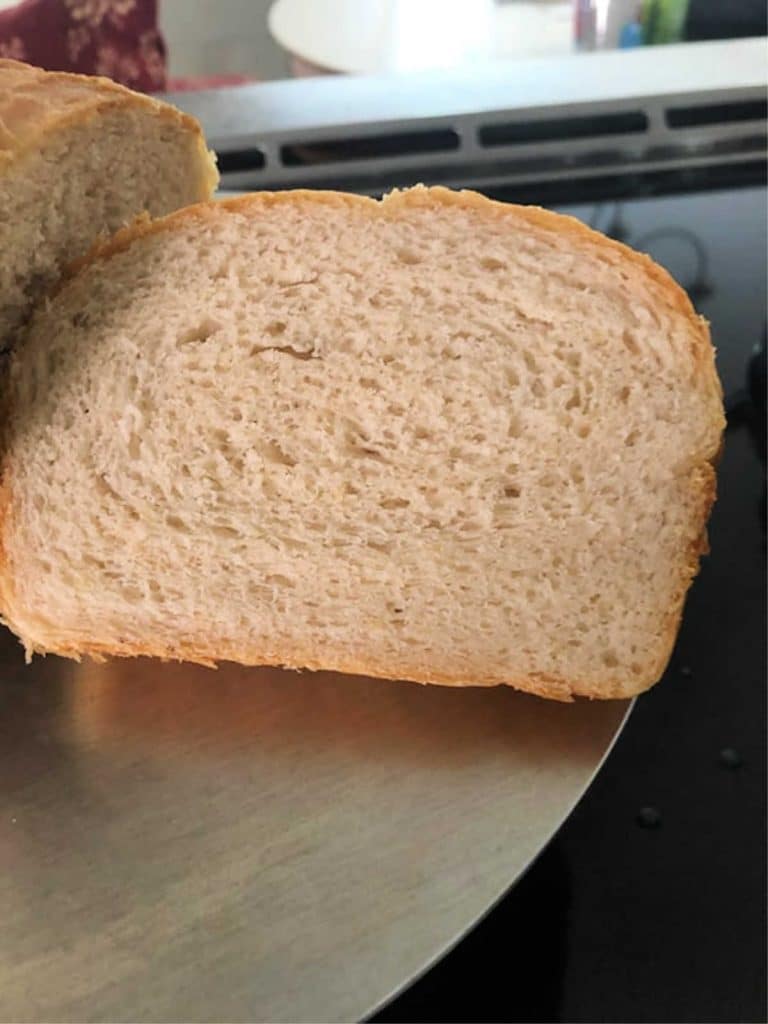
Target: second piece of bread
79,158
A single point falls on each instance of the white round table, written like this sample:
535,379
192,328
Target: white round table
390,36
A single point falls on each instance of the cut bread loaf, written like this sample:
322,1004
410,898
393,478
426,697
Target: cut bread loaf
435,438
80,157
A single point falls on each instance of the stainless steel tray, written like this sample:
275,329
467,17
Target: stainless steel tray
256,845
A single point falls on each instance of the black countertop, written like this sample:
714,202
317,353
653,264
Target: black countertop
650,904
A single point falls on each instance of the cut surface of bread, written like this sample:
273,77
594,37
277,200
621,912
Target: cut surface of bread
434,437
81,157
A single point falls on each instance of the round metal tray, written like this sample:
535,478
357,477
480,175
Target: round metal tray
256,845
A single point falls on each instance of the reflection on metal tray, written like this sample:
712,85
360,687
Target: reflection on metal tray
240,845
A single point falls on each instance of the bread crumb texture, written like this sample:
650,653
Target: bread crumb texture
435,438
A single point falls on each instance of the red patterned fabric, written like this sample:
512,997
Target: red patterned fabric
188,83
116,38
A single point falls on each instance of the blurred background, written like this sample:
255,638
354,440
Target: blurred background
159,44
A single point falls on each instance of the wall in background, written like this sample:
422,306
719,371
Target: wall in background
211,37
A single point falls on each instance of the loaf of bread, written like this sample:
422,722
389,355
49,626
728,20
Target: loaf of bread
81,157
435,438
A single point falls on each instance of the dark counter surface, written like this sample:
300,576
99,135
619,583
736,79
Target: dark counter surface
650,904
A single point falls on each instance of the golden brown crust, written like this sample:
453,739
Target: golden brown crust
34,103
703,482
